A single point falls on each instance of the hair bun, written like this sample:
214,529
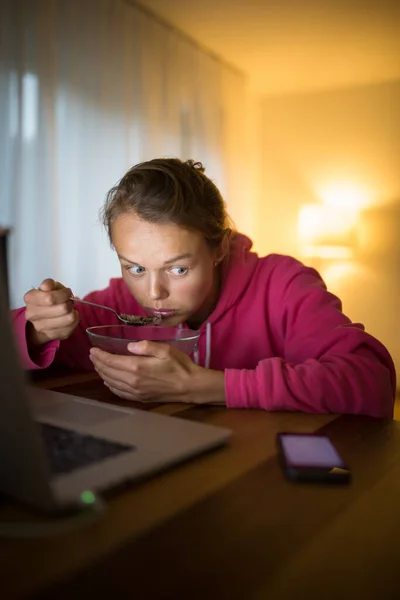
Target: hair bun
196,165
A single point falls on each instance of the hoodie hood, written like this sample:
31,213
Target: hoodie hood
237,271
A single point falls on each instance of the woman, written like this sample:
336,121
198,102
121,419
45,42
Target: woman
272,336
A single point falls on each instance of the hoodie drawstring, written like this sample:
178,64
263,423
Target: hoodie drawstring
208,345
208,348
196,354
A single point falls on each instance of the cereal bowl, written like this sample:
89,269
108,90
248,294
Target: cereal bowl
115,338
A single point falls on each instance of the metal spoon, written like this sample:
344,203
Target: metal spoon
134,320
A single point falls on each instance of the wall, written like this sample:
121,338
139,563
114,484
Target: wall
86,91
241,147
346,139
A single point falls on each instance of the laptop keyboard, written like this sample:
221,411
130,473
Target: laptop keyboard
69,450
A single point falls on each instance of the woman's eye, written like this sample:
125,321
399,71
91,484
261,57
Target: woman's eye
136,270
179,270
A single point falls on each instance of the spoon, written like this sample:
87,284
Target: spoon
134,320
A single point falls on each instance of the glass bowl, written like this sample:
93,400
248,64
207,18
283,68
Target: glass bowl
115,338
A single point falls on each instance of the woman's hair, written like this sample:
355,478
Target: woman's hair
170,190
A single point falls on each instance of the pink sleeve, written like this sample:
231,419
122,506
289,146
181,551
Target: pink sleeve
72,352
326,364
40,358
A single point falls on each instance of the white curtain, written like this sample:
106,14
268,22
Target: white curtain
87,89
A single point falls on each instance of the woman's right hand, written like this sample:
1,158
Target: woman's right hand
50,313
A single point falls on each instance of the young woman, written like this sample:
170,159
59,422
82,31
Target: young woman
272,336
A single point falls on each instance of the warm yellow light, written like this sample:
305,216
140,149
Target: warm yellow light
344,196
327,232
327,252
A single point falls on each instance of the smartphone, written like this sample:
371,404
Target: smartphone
308,457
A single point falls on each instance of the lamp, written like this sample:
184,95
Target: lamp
327,232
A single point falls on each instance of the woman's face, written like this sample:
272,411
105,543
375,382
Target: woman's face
169,270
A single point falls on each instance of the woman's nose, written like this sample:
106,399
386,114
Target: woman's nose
157,290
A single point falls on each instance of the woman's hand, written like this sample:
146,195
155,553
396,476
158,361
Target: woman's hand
50,313
158,372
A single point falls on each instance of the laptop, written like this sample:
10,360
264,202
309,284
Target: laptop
57,450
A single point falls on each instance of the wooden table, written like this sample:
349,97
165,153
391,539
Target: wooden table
227,524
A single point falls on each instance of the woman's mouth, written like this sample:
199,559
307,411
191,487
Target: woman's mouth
163,314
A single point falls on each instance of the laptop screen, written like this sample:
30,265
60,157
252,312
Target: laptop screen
3,261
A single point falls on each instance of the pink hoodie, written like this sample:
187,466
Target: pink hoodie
276,331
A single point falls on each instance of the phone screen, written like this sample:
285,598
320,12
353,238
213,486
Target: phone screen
313,457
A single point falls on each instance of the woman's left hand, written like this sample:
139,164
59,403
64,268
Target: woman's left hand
154,372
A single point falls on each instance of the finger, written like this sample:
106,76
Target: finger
147,348
118,385
125,377
68,321
47,285
123,395
37,313
48,298
119,362
131,396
